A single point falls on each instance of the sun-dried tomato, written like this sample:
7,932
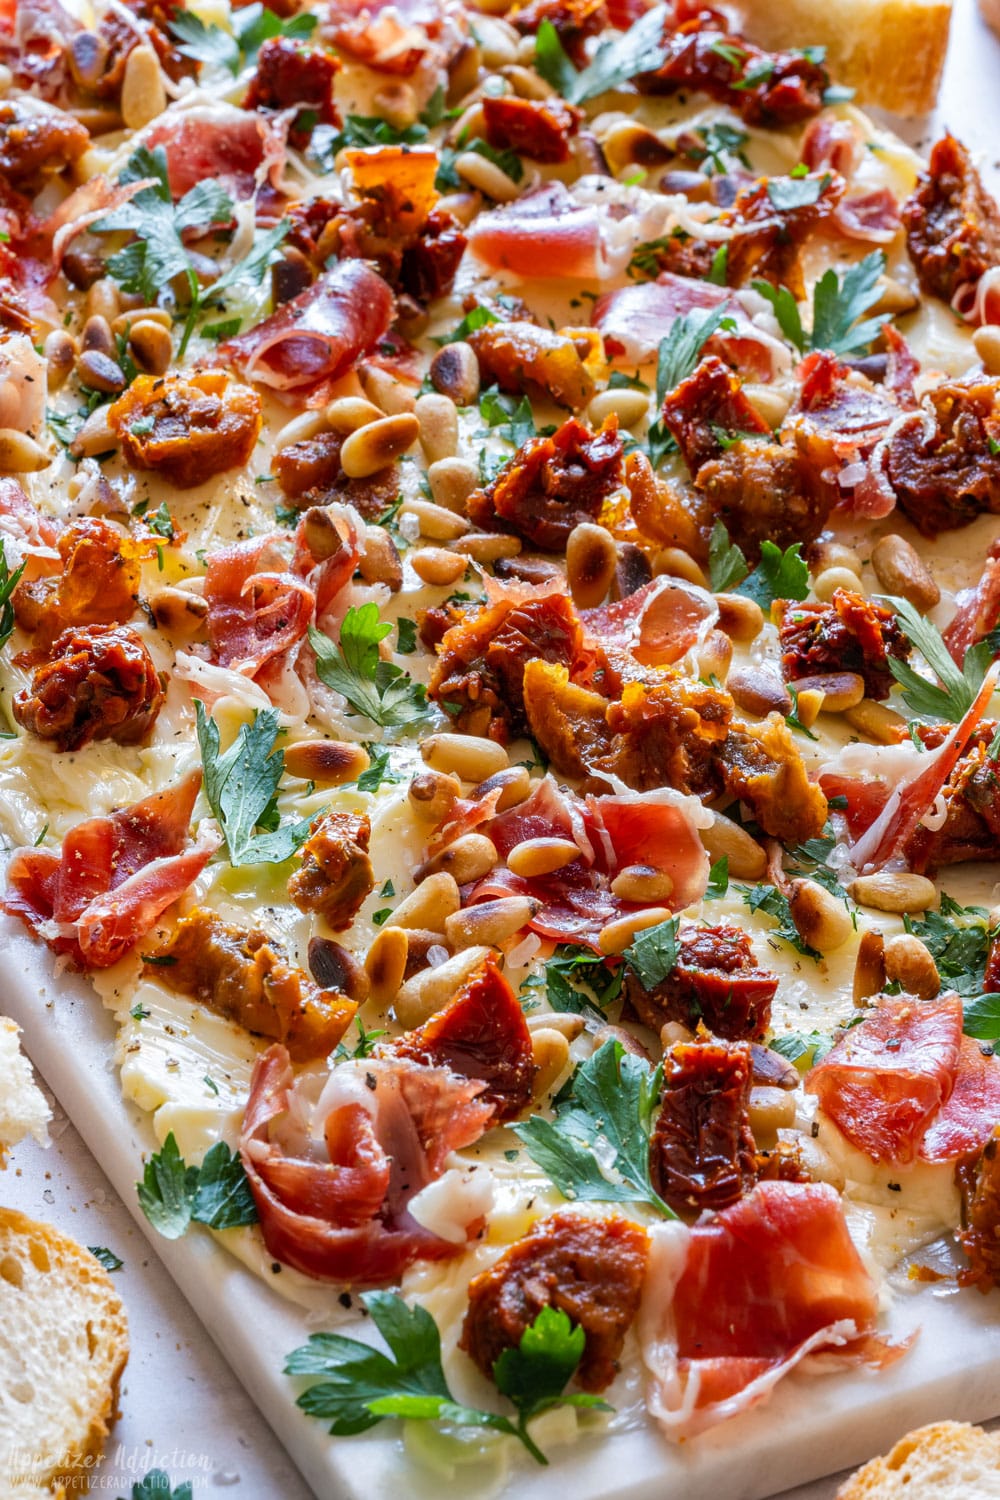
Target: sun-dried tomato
187,428
99,683
537,128
763,492
551,485
767,241
336,873
850,634
288,74
558,365
429,265
971,827
979,1236
98,584
947,478
716,980
591,1269
574,22
761,765
702,1152
766,88
36,143
709,403
952,222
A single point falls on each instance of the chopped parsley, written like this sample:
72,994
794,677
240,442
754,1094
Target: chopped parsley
953,694
173,1195
377,689
241,787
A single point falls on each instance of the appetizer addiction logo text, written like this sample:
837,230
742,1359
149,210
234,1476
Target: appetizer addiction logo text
121,1471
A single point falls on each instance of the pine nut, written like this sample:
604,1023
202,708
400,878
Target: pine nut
452,481
432,989
747,860
591,559
377,444
498,42
822,922
438,422
433,795
986,341
126,321
103,299
100,372
385,964
60,357
742,619
869,967
513,782
396,103
97,335
20,454
327,762
771,1110
464,755
900,570
436,522
320,532
490,922
676,563
380,561
527,83
144,97
179,612
488,546
571,1026
823,555
759,691
627,405
617,935
875,721
642,884
439,566
714,656
895,298
768,403
550,1050
468,858
389,394
348,413
808,706
895,891
455,372
541,856
300,429
430,905
840,689
334,967
487,177
95,437
832,579
151,347
908,961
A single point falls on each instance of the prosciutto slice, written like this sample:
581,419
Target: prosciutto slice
965,1122
979,610
257,609
318,336
334,1162
732,1305
113,877
236,148
658,624
25,533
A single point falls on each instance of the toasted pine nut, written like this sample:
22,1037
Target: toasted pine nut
464,755
300,429
372,447
452,481
526,83
103,298
455,372
430,905
489,922
468,858
832,579
100,372
642,884
550,1050
715,655
570,1025
869,966
840,689
617,935
742,619
438,565
900,570
327,762
348,413
986,341
433,795
676,563
771,1110
759,691
485,175
895,298
822,922
825,555
95,437
435,521
144,97
808,706
747,860
487,546
385,963
896,891
874,720
20,454
498,41
178,612
769,403
151,347
438,421
541,857
396,103
126,321
390,395
432,989
591,559
514,785
909,962
97,335
380,561
60,357
629,406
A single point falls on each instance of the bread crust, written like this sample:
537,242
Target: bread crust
937,1462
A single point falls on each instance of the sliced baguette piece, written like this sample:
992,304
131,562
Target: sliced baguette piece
23,1110
63,1347
891,52
945,1461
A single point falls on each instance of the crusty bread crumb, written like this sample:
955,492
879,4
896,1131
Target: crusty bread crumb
23,1110
63,1347
946,1461
891,52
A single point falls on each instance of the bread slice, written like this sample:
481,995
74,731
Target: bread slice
63,1347
23,1110
946,1461
891,52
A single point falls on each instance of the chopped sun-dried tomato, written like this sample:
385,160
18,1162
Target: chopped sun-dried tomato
188,428
98,584
99,683
716,980
702,1152
574,21
979,1236
288,74
947,476
850,634
336,873
560,365
952,222
36,143
537,128
709,403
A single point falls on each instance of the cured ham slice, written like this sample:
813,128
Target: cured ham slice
732,1305
966,1121
25,533
113,877
335,1161
236,148
888,1078
873,217
257,609
658,624
312,340
979,610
